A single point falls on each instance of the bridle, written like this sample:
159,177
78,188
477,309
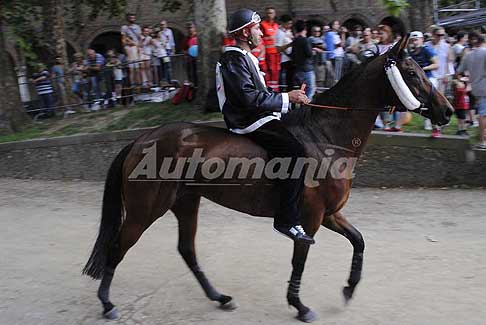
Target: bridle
401,90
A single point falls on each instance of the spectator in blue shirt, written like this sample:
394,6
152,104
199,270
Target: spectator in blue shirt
426,58
94,64
57,71
330,38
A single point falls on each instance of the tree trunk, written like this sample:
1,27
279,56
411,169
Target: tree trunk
210,17
54,27
12,115
420,14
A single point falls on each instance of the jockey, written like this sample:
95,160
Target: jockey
253,110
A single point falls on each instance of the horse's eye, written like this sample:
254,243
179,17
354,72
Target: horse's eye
412,73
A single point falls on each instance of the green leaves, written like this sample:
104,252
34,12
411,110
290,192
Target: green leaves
395,7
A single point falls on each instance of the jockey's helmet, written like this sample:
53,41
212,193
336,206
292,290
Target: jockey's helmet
243,18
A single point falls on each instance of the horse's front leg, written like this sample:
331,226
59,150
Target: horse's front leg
338,223
311,225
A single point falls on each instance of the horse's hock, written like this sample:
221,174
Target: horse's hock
389,160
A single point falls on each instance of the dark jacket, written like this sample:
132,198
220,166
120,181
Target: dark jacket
244,100
302,54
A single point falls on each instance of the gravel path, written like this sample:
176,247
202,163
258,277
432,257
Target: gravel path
425,262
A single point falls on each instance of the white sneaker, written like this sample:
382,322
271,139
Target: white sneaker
295,233
475,124
379,123
427,125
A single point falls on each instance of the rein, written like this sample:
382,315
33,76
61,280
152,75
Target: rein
389,109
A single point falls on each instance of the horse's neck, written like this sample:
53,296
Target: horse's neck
345,131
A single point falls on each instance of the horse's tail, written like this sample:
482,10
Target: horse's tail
111,217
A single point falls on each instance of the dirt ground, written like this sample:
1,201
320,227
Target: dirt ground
425,262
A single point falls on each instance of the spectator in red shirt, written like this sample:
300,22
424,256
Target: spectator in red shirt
228,40
461,104
269,28
191,49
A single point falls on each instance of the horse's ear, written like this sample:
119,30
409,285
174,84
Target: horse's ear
399,50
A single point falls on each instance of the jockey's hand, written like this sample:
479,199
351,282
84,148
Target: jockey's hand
298,97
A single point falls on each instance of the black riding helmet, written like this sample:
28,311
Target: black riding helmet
243,18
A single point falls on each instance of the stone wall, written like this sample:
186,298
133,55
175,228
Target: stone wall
408,160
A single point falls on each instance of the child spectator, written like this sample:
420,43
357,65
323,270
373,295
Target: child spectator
461,104
115,65
191,49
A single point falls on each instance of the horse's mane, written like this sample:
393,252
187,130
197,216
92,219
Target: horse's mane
341,94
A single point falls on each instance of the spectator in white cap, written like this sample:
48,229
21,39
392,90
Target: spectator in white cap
444,58
426,58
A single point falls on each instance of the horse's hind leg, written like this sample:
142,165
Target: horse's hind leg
186,210
139,217
339,224
129,235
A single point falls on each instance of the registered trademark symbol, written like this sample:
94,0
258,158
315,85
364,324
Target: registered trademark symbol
356,142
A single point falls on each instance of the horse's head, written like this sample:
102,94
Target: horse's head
412,88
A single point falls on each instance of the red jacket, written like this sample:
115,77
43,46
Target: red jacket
269,31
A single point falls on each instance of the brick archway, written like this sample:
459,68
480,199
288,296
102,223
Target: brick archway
106,41
95,34
356,19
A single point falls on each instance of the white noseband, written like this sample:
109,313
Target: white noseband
400,87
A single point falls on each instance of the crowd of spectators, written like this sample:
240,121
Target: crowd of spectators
291,53
296,52
103,79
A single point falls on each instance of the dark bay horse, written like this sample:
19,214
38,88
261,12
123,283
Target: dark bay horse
130,205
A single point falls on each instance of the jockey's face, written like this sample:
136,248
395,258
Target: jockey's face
254,34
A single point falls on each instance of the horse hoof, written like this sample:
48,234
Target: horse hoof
308,317
112,314
348,294
229,305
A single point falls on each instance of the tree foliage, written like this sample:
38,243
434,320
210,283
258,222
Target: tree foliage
395,7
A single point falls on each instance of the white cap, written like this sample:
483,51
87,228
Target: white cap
416,34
